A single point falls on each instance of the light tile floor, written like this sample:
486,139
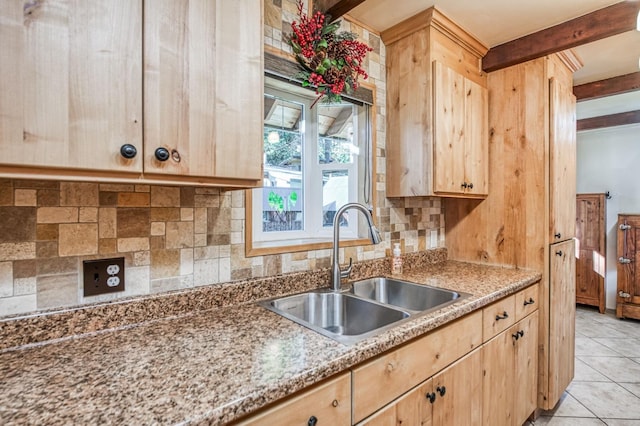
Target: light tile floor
606,386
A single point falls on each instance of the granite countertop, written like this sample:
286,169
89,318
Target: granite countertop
210,366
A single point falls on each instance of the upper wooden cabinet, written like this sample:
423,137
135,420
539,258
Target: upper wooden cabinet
72,78
71,84
203,88
437,109
562,166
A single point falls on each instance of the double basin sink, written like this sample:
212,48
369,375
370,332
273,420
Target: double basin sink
368,308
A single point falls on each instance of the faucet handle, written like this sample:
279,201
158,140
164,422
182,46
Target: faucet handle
344,273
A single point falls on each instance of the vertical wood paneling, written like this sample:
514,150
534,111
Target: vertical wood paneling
74,68
476,147
203,87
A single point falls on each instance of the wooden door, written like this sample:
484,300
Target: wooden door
458,390
498,380
476,146
590,266
562,313
413,408
628,291
449,135
525,397
562,168
203,88
71,83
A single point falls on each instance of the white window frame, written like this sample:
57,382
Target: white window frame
313,231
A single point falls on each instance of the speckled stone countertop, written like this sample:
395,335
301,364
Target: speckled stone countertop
210,366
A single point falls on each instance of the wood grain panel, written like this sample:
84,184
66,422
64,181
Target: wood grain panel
527,301
526,369
476,147
591,233
329,403
562,168
498,316
75,70
385,378
628,289
562,311
461,404
195,105
498,381
413,408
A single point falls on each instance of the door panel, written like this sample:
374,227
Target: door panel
562,169
591,233
562,313
628,291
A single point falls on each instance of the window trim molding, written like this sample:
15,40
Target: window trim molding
253,251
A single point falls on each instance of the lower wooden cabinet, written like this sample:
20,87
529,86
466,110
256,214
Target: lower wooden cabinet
510,374
452,397
328,403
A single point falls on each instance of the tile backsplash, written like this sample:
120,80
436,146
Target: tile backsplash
174,237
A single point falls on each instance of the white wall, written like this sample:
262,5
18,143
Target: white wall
609,160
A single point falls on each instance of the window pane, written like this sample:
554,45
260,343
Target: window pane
335,194
282,198
335,133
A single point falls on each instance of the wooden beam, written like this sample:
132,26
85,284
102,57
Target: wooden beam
609,21
620,119
610,86
336,8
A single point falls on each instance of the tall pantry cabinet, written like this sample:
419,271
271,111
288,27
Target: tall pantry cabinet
528,218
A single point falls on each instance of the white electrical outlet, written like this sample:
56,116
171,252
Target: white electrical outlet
113,269
113,281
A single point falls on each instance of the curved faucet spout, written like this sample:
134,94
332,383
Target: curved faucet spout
336,273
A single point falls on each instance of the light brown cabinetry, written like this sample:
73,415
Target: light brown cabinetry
510,374
532,154
328,403
71,85
76,73
436,109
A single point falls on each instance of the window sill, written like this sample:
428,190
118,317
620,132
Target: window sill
253,249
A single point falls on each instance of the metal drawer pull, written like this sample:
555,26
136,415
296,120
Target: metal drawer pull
503,316
529,302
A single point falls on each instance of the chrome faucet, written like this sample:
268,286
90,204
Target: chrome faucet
336,273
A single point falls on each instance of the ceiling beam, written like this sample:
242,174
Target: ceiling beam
609,21
620,119
335,8
608,87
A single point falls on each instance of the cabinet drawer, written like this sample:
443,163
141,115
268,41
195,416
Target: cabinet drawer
498,317
527,301
385,378
329,403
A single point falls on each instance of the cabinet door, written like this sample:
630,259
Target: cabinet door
203,88
562,168
525,370
562,312
71,83
414,408
476,147
498,380
329,403
628,289
458,390
448,125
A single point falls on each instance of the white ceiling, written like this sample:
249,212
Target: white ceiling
497,21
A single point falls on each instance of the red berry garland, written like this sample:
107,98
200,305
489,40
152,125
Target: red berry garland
329,61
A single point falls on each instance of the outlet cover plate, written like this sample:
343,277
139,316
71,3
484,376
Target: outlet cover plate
103,276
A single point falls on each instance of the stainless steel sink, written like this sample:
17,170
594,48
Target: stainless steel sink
368,308
339,316
406,295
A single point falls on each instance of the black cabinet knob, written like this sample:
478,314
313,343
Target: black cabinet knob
529,302
558,235
470,186
431,396
464,185
128,151
312,421
162,154
521,333
504,315
441,390
516,336
559,253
